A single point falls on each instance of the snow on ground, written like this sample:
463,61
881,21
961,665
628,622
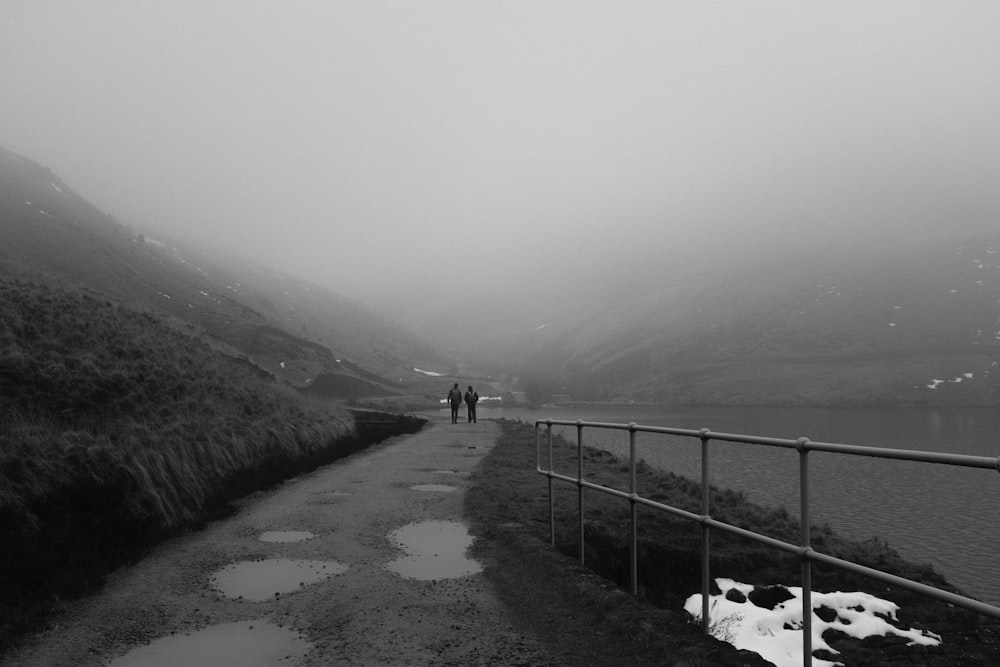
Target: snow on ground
431,373
776,634
965,376
58,189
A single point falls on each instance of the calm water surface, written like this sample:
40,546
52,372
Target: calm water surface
943,515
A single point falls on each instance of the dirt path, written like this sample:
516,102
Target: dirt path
367,614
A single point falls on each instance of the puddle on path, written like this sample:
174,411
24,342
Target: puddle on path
436,550
286,536
439,488
260,580
245,644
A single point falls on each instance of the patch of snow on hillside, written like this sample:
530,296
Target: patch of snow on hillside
776,634
953,291
968,375
57,188
431,373
934,384
158,244
28,203
541,326
892,324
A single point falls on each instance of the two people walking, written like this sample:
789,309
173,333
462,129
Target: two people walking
455,399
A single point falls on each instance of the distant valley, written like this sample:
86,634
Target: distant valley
911,321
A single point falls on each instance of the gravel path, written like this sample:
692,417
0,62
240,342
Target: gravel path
362,615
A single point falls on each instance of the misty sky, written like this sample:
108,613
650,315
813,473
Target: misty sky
389,148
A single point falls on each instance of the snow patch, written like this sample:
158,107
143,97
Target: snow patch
431,373
934,384
57,188
776,634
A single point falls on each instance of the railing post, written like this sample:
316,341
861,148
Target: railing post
552,503
633,518
579,481
805,540
706,506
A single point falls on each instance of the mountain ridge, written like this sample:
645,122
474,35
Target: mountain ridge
49,233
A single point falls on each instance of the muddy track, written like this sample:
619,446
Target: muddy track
373,601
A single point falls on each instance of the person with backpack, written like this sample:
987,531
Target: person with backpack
455,400
471,398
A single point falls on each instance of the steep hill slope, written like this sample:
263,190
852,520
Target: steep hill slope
298,332
912,322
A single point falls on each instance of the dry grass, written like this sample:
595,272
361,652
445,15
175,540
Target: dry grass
116,430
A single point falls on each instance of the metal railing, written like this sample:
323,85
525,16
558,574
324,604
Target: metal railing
803,550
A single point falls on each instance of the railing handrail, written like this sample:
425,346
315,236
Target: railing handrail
803,550
966,460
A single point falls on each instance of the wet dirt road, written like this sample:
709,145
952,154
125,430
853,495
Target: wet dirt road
362,562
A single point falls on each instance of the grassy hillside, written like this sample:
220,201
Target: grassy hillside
292,329
870,326
117,430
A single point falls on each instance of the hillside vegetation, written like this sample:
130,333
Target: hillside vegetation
117,430
296,331
509,510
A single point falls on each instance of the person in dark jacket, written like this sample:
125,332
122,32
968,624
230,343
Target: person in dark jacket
471,398
455,400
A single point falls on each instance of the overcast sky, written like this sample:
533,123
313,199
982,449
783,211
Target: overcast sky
386,147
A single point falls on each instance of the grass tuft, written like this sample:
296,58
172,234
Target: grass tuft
116,431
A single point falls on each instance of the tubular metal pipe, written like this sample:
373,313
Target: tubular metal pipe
633,516
579,488
805,539
706,511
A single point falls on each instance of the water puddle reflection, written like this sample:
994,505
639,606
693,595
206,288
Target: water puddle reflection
244,644
264,579
436,550
439,488
286,536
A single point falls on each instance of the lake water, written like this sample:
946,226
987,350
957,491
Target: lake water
938,514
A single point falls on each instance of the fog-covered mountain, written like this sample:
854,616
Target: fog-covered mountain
307,335
885,319
889,321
